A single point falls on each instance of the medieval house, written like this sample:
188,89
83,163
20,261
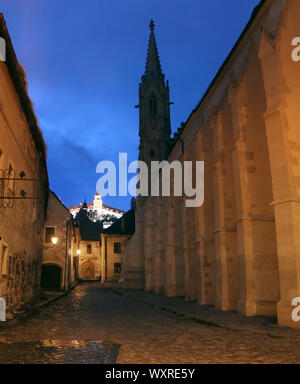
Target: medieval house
60,261
114,241
23,185
90,221
240,250
89,246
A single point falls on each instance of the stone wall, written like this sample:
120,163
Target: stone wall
21,220
90,263
109,257
240,250
62,253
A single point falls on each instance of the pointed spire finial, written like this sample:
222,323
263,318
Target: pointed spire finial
151,25
153,67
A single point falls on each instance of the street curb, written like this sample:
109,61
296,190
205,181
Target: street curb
55,298
34,308
165,309
191,318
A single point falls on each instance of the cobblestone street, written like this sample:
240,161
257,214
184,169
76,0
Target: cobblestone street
93,324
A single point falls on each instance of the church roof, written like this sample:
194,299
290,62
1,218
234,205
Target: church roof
89,230
89,205
123,226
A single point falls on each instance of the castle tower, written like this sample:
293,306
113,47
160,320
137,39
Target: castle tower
97,204
154,106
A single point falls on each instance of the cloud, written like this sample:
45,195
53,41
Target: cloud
71,170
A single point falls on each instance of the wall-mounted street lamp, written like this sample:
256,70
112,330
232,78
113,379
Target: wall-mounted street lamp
54,240
78,252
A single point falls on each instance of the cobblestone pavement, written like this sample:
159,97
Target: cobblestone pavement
149,328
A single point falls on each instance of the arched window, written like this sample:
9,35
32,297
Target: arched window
153,106
152,154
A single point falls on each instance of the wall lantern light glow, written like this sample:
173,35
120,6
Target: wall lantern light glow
54,240
78,251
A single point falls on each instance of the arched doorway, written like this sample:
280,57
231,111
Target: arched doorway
51,277
88,270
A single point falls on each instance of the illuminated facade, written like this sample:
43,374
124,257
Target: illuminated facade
23,186
241,249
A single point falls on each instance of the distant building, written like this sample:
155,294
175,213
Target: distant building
100,250
88,244
97,211
91,219
114,240
60,261
23,185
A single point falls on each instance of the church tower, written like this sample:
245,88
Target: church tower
154,106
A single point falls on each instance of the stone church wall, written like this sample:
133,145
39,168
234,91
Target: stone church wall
240,250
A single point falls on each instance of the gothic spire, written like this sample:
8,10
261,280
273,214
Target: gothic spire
153,67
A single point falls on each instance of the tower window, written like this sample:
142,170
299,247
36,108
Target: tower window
152,154
153,106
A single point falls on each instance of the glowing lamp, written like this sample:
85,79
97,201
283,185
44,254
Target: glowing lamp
78,252
54,240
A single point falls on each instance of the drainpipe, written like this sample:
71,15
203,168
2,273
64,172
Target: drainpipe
66,259
105,260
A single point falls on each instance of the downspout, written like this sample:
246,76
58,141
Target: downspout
105,259
66,259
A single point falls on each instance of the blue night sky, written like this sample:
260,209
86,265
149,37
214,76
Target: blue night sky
84,60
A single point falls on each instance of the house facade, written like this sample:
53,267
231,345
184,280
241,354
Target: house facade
114,241
59,268
89,245
23,185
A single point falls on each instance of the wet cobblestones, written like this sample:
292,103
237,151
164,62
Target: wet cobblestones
56,352
86,325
